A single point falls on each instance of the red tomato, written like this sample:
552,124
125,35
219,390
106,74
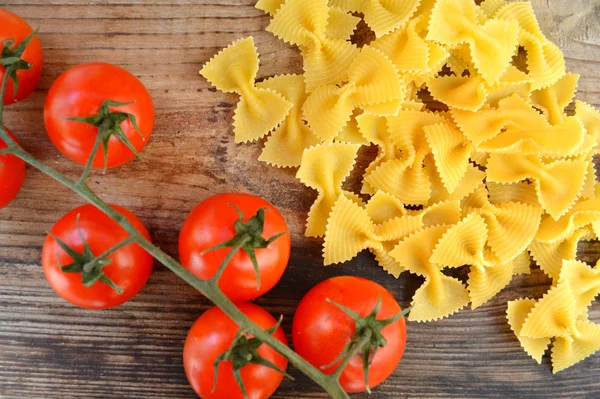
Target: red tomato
212,222
210,336
14,27
130,268
321,330
12,174
79,92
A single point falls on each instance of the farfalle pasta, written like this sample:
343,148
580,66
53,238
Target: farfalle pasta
324,168
234,70
304,23
440,295
382,16
285,146
496,174
373,85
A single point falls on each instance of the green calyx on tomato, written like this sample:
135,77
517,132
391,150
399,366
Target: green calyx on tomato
109,124
248,237
86,263
12,61
367,338
244,351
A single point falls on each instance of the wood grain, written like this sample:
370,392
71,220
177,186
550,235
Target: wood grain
49,349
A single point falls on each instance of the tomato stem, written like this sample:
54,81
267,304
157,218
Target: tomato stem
208,288
108,124
10,58
248,237
367,339
244,351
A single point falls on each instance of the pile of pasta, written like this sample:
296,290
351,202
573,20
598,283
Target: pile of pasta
494,173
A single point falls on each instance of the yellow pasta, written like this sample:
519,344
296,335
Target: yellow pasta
451,151
570,350
286,144
511,226
491,7
552,316
324,168
522,192
553,100
473,179
517,313
492,44
440,295
545,61
550,256
383,207
351,133
522,263
234,70
582,214
382,16
558,184
462,92
584,282
304,23
373,85
590,118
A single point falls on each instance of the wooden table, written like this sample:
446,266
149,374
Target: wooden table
50,349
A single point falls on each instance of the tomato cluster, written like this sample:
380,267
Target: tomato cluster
100,115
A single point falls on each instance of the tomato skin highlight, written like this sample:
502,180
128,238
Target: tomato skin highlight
210,336
130,268
211,222
321,331
79,92
14,27
12,174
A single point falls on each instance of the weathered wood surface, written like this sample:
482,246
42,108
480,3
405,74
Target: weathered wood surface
50,349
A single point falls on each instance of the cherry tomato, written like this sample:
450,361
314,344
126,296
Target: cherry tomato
321,330
12,174
79,93
210,336
14,27
130,265
211,223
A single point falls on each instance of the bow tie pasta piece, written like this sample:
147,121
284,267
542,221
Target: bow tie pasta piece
451,151
553,100
568,351
522,192
407,49
550,256
464,244
440,295
304,23
286,144
584,282
382,16
545,61
341,25
517,313
372,82
511,226
558,184
349,231
583,213
555,315
234,70
324,168
492,44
